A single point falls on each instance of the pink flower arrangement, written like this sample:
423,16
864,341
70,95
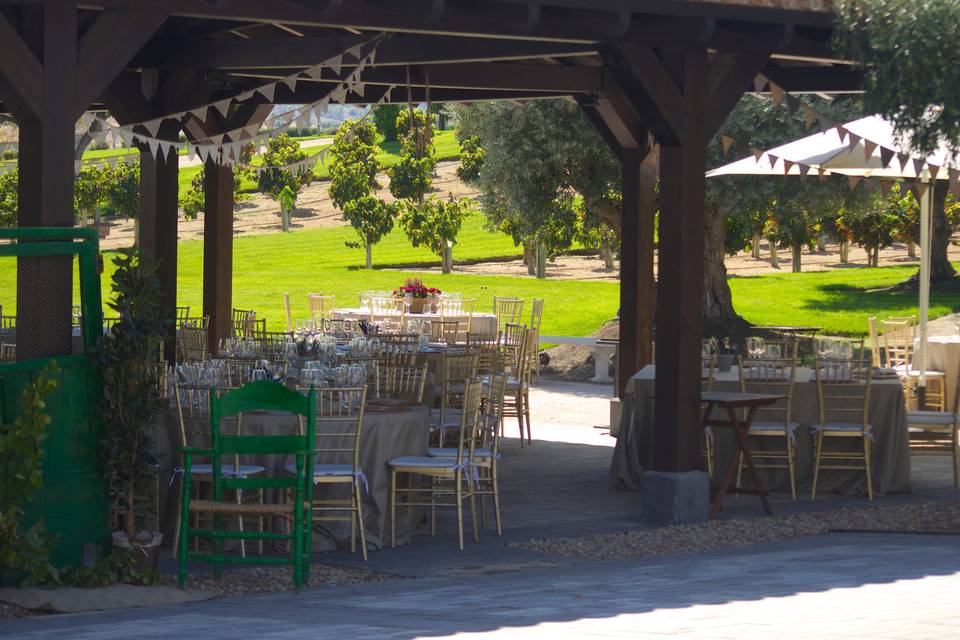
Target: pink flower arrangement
414,286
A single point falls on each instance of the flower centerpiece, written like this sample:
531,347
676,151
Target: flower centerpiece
419,296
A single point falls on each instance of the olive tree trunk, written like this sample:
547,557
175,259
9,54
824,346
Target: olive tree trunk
717,300
755,246
369,248
844,251
774,257
541,258
940,267
797,255
446,262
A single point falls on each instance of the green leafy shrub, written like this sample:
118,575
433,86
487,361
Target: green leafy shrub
25,553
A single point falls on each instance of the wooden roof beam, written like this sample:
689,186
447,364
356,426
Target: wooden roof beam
303,52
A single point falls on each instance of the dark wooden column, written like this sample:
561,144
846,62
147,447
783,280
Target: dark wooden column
218,251
45,285
683,95
618,122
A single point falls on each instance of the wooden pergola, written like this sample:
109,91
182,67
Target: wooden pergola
645,72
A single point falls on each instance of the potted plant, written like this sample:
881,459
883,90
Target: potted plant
726,354
418,295
132,404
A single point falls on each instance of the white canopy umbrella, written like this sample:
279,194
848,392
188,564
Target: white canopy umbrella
865,148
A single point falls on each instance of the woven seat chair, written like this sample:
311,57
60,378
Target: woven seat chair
243,322
489,358
193,417
843,398
386,307
337,460
708,370
182,314
253,397
443,472
536,319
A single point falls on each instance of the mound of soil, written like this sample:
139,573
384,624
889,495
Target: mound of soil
572,362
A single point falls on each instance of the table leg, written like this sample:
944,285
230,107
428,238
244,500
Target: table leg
727,474
742,431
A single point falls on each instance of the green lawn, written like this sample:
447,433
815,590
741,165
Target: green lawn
316,260
840,301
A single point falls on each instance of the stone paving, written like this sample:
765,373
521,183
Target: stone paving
834,586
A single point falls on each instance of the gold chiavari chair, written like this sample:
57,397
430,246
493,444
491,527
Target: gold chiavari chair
708,369
536,319
401,381
447,331
288,312
898,340
937,432
400,348
243,322
874,341
489,358
8,352
193,416
508,311
459,310
456,370
457,470
487,451
843,397
364,297
182,314
386,307
192,344
337,459
772,425
320,306
517,364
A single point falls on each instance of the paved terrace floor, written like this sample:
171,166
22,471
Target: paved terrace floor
834,586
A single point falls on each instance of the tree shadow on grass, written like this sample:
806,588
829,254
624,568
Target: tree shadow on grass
847,297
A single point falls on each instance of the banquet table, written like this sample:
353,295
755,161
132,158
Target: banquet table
482,324
386,434
943,354
886,414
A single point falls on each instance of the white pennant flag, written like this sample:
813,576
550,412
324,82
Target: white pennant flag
336,63
355,51
358,89
200,113
315,72
373,56
291,82
223,106
267,91
246,95
153,144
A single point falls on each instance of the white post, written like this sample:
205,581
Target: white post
926,231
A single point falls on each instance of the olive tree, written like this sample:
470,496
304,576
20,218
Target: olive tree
283,151
353,182
434,224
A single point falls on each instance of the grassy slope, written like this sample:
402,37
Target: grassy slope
316,260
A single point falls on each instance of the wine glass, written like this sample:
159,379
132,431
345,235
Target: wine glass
407,302
755,346
825,348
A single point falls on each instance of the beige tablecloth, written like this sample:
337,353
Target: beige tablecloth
385,435
943,354
887,416
482,324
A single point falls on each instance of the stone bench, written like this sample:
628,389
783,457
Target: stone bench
601,349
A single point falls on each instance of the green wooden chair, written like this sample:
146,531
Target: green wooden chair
256,396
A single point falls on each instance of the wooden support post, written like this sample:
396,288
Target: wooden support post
45,285
158,227
218,252
680,289
636,266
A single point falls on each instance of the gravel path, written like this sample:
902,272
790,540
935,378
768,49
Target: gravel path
927,517
241,582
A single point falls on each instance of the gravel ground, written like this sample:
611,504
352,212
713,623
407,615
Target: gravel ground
240,582
929,517
9,612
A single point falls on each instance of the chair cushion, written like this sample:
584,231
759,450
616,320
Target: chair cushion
451,452
227,470
773,426
839,427
931,417
423,461
326,470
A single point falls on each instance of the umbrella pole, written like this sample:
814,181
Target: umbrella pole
926,204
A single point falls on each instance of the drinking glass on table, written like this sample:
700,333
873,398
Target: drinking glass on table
755,346
825,348
772,351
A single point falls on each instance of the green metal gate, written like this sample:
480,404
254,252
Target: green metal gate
73,502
